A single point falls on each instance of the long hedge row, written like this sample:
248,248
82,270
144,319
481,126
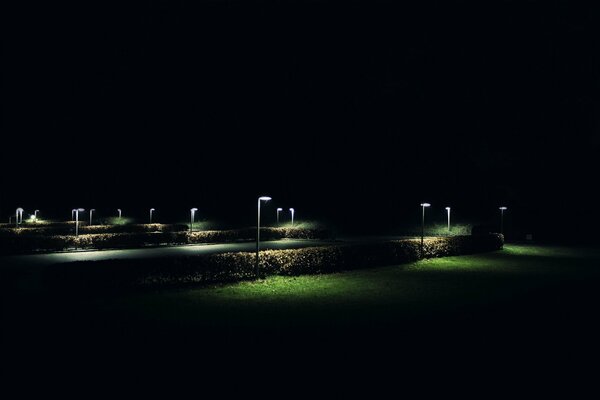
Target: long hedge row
231,267
68,228
16,244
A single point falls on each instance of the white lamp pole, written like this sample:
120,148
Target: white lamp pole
448,210
192,213
91,213
265,199
119,210
292,211
73,215
151,211
19,216
35,213
278,211
76,211
423,206
502,209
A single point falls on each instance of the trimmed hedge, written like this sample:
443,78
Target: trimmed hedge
68,228
20,244
231,267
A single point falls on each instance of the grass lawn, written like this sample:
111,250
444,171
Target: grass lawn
534,300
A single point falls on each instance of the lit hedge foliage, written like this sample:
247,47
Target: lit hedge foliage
18,241
68,228
231,267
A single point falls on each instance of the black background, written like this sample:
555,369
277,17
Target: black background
352,112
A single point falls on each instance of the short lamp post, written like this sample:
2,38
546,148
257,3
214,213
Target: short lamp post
448,211
192,214
76,211
265,199
91,215
278,211
502,209
151,211
292,211
423,206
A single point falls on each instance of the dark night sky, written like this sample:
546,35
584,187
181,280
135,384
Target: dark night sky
329,106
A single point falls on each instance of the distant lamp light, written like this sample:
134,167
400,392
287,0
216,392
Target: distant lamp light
91,213
278,211
151,211
120,213
448,210
292,211
35,213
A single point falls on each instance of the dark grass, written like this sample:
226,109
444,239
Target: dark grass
524,305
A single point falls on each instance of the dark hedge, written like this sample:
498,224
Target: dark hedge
231,267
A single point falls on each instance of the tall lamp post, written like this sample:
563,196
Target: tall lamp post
448,210
292,211
19,216
265,199
151,211
502,209
278,211
77,211
120,214
91,214
423,206
192,214
35,213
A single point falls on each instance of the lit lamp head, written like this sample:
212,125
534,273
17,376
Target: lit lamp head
292,210
503,208
447,208
264,198
193,210
152,209
425,205
279,209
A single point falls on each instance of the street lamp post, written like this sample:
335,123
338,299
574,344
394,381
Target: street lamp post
77,211
91,213
151,211
278,211
120,214
265,199
448,210
192,213
35,213
423,206
292,211
73,215
502,209
19,216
